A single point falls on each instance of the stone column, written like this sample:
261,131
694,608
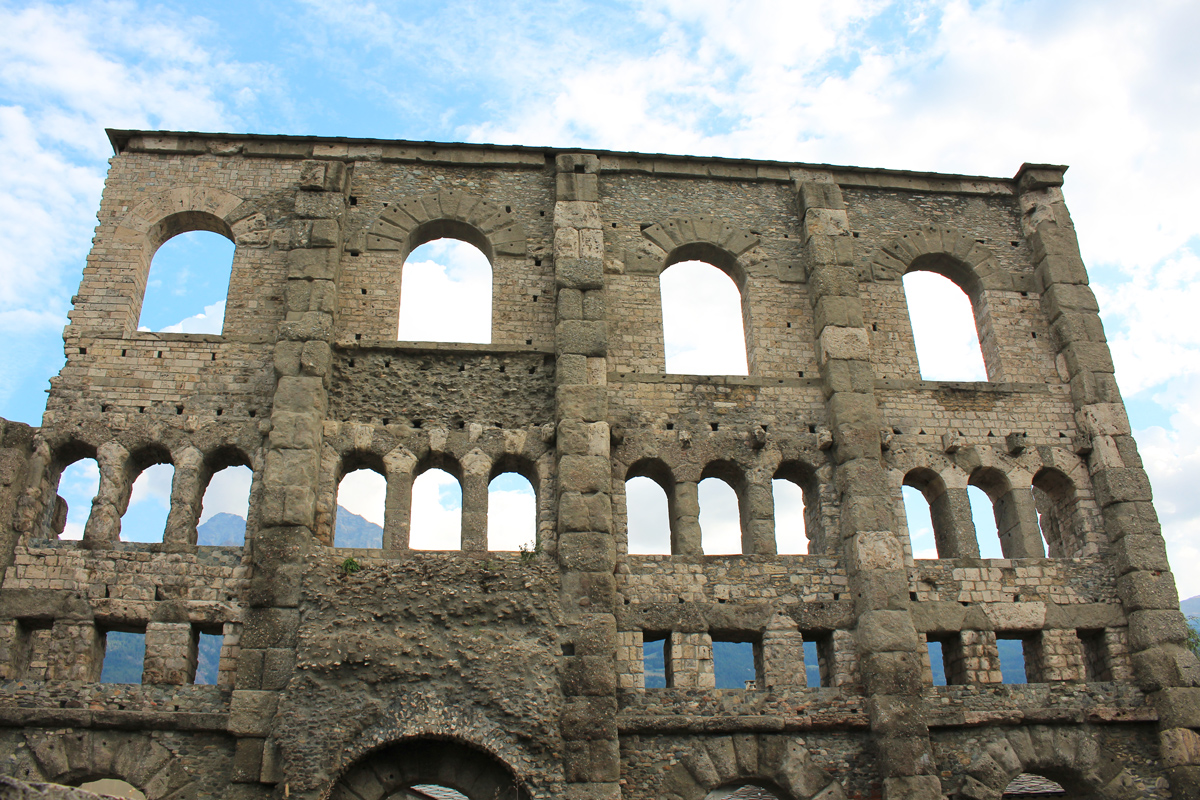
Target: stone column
476,468
170,653
187,495
782,655
888,646
398,502
757,510
685,519
1162,664
1017,524
586,548
103,527
287,507
953,527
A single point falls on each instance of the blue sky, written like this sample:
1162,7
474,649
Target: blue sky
1112,89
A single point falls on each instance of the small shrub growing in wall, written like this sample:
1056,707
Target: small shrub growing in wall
350,566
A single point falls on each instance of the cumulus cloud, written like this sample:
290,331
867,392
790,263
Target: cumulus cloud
436,521
446,294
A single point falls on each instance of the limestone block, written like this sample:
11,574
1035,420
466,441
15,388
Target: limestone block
811,195
306,325
325,233
577,214
316,359
588,676
826,222
581,337
1077,326
584,473
312,176
1151,627
1121,486
574,186
585,718
595,634
319,205
583,438
837,311
278,665
1166,664
1122,519
1103,419
587,552
579,273
293,431
584,512
301,395
250,712
570,304
830,273
881,631
577,163
586,403
591,592
1062,297
1179,747
313,264
593,305
891,673
1140,552
1016,616
917,787
1140,590
896,716
287,358
270,627
247,760
877,550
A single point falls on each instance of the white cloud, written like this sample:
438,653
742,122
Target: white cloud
228,493
210,320
702,321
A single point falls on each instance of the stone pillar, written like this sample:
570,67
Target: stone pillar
103,527
1017,524
1057,657
76,651
757,509
476,471
187,495
288,501
170,653
888,646
953,527
586,548
782,654
397,504
685,519
689,661
1157,630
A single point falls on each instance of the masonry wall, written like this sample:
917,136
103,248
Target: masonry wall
522,674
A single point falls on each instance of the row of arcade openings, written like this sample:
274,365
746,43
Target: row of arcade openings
446,291
436,512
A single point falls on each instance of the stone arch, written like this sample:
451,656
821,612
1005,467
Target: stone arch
943,484
950,252
468,769
705,239
405,225
169,213
804,474
62,455
79,756
1071,757
779,762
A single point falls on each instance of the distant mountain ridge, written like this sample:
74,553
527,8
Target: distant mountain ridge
229,530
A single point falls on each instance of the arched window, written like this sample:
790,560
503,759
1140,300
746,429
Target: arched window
919,517
648,487
111,787
720,518
794,488
983,512
943,326
436,511
77,486
703,332
145,519
446,294
360,509
1057,509
188,284
744,791
512,513
225,508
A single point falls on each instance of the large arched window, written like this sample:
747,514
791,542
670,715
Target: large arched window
703,331
1057,509
145,518
188,284
943,327
446,293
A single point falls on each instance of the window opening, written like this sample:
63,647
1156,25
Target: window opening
29,657
188,284
920,523
1017,654
225,508
984,515
124,656
1096,664
436,511
1056,503
815,672
943,326
720,523
736,661
446,294
208,658
77,486
112,787
361,499
648,515
790,534
145,519
937,662
654,660
512,513
703,332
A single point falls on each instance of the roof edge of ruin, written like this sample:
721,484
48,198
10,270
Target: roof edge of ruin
120,138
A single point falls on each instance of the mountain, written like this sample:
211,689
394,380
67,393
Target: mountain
352,530
222,530
1191,606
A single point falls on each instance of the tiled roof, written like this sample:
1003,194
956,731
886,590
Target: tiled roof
1025,785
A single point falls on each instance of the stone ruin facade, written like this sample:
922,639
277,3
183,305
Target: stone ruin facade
520,675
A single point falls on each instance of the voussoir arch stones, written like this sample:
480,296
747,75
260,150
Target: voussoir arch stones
408,223
720,761
80,756
963,260
684,238
1070,756
168,213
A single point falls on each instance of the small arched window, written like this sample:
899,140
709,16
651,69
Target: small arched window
112,787
188,284
648,517
720,518
1057,509
943,326
446,293
703,329
794,489
145,518
77,486
360,509
225,508
436,511
512,513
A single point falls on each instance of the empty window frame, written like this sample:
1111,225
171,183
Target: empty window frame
436,511
446,293
944,321
1020,655
703,330
794,491
511,513
78,484
124,656
656,659
737,660
225,508
209,642
188,282
648,509
149,505
361,497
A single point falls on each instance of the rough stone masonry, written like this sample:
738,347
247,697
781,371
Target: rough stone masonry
508,675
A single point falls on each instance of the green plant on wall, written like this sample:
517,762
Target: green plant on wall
350,566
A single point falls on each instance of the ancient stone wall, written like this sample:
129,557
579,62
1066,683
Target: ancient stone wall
504,674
